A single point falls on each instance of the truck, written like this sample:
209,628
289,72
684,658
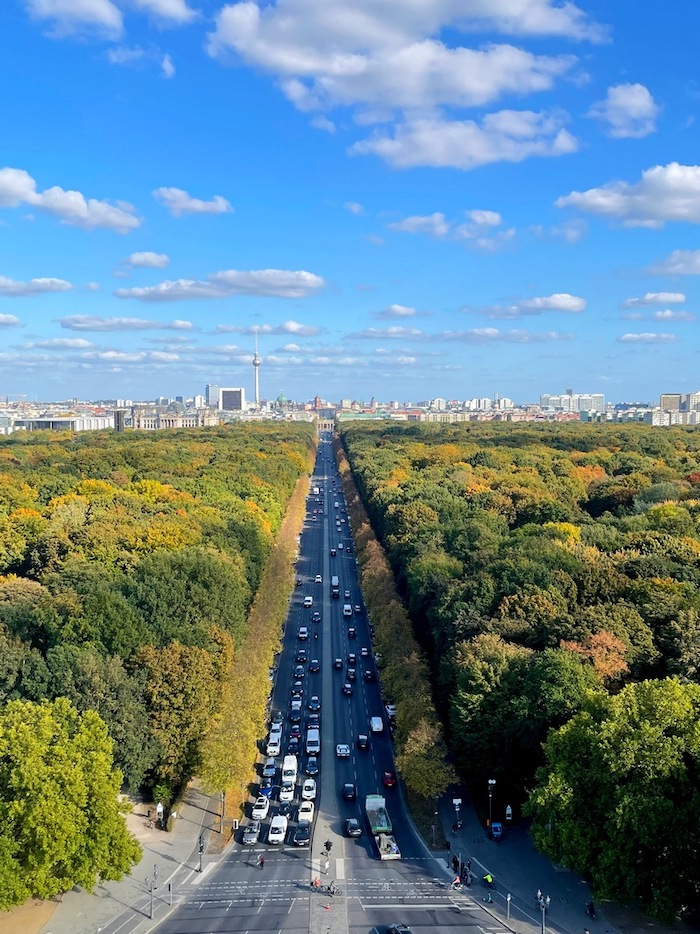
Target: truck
335,586
380,826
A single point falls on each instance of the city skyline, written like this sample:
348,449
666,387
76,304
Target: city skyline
404,201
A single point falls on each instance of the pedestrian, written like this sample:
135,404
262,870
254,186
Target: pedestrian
455,864
261,861
539,895
469,864
547,901
454,829
449,846
462,870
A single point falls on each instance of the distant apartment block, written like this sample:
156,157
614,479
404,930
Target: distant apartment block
231,400
574,402
679,401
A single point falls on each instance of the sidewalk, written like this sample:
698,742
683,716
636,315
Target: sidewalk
127,902
520,870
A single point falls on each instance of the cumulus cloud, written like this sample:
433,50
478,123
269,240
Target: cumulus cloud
478,230
354,207
288,327
12,289
669,315
649,299
61,343
68,17
664,193
97,323
647,338
9,321
561,302
435,225
17,187
394,332
679,263
494,335
167,67
168,12
135,56
629,110
277,283
505,136
570,231
147,260
397,311
180,202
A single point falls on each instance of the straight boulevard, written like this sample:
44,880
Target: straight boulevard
236,894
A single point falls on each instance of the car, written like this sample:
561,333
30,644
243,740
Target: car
349,791
294,746
269,768
295,730
348,550
278,829
314,722
277,718
274,746
369,675
306,812
260,808
340,546
312,765
346,594
398,929
297,689
302,656
352,632
389,779
342,520
351,674
333,552
342,751
316,616
338,664
295,714
308,790
318,579
287,791
358,608
314,666
266,786
302,835
251,833
362,741
352,658
299,581
303,634
352,827
299,671
364,652
308,601
347,689
390,710
314,702
285,808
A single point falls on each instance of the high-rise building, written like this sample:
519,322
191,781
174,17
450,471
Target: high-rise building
232,400
199,401
212,395
670,401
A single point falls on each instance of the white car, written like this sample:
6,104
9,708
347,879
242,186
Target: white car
278,829
274,745
260,808
308,790
306,812
318,579
342,751
308,601
287,791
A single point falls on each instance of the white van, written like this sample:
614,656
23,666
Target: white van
376,724
289,769
313,742
347,609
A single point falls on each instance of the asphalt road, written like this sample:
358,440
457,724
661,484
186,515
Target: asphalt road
236,894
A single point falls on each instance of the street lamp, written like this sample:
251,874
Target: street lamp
492,782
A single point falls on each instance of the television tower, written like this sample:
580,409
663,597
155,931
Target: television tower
256,368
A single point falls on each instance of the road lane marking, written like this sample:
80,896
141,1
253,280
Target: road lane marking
340,868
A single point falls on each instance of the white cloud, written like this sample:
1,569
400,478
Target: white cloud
647,338
17,187
323,123
397,311
505,136
278,283
12,289
288,327
559,301
170,12
649,299
97,323
61,343
92,287
147,260
123,55
167,67
435,225
180,202
393,332
484,218
679,263
570,231
669,315
629,110
9,321
354,207
664,193
68,17
493,335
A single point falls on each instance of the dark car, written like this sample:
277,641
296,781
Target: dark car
315,617
363,741
338,664
284,808
294,746
351,674
297,689
352,632
295,716
352,658
314,666
266,786
312,765
333,552
302,835
398,929
364,652
301,655
369,675
299,671
295,729
314,721
349,791
347,689
352,827
389,779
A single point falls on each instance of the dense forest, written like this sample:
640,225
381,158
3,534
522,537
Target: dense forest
552,573
128,564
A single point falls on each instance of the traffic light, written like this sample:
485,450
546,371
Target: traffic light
328,844
201,843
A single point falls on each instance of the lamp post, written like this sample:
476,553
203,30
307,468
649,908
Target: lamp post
223,811
492,782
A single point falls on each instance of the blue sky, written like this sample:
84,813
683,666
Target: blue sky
407,199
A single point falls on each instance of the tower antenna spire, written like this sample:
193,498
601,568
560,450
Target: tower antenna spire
256,368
